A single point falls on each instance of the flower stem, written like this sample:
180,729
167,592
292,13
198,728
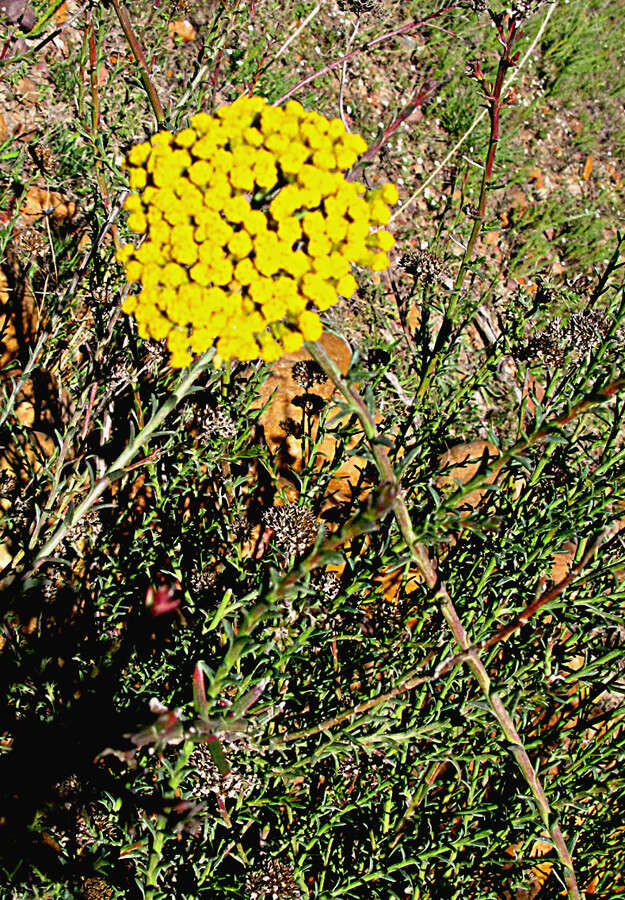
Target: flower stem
118,467
494,95
429,572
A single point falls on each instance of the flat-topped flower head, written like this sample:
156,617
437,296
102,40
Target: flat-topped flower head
248,228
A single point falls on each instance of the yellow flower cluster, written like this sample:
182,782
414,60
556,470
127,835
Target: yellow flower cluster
250,228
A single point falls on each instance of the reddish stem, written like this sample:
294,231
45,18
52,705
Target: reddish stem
419,96
92,394
383,37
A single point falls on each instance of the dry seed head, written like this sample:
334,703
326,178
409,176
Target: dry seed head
8,483
272,880
203,581
295,528
523,9
208,781
583,334
30,242
46,158
97,889
87,529
217,424
588,329
308,373
328,585
180,8
105,296
93,827
120,375
424,265
312,404
362,7
241,528
548,345
156,356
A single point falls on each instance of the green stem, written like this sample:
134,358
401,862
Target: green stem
160,834
137,52
117,468
225,380
361,524
428,570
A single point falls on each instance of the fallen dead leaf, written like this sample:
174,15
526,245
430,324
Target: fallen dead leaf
183,29
40,202
284,392
587,168
491,238
61,14
460,464
28,90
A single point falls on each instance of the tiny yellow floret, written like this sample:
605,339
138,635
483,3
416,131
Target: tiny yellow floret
250,227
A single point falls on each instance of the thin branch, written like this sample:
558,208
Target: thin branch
350,41
596,398
119,466
311,15
432,579
513,76
403,29
137,52
530,610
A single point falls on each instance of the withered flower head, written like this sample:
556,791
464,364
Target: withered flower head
273,880
523,9
548,345
241,528
156,356
218,424
583,334
96,888
207,779
295,527
203,581
327,585
121,373
30,242
8,482
93,827
307,373
86,529
424,265
310,403
588,329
